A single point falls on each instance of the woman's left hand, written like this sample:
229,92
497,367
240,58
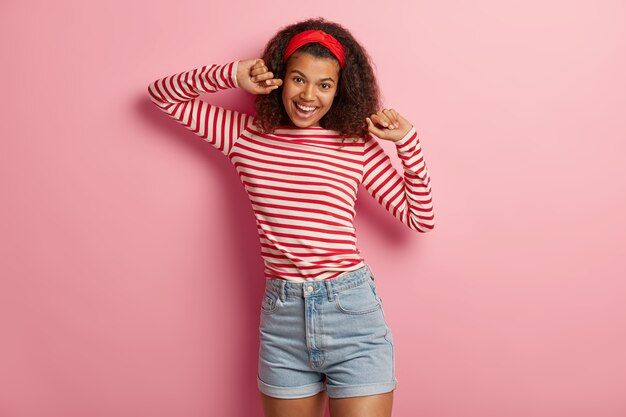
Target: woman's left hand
388,124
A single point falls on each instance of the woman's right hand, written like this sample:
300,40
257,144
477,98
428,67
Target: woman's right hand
254,77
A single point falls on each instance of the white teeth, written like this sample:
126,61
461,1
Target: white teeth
305,108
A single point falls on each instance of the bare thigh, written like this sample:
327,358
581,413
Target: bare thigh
313,406
378,405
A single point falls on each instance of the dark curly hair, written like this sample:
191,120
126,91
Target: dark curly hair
358,94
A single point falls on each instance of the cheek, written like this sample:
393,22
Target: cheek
330,101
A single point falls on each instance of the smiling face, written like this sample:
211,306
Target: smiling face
309,87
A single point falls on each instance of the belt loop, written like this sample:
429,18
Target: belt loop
329,291
282,293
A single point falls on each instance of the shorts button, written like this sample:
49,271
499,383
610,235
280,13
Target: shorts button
309,289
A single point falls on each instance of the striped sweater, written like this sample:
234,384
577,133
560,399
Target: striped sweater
302,182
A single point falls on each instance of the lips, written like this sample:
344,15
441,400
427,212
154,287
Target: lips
304,111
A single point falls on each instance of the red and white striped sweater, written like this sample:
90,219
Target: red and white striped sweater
302,182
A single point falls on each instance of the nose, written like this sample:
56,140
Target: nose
307,92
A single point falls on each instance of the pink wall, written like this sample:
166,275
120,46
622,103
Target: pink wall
130,275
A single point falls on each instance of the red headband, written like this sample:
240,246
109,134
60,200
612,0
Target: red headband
311,36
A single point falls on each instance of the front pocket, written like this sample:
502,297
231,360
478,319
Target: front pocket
270,299
358,300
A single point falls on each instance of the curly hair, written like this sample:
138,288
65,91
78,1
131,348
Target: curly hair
358,94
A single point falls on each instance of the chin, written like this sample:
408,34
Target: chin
301,123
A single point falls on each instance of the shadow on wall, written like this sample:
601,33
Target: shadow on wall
246,283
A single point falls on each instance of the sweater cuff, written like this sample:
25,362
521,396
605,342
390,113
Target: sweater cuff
233,74
409,137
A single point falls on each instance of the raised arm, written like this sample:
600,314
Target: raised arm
177,95
407,197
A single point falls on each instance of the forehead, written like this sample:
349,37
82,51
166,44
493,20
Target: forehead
312,66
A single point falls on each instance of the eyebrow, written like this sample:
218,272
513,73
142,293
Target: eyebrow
302,74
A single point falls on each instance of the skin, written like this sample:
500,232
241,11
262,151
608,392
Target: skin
313,81
378,405
254,77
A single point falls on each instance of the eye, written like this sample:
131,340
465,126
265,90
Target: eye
298,79
325,86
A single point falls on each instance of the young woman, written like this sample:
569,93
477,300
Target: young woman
301,159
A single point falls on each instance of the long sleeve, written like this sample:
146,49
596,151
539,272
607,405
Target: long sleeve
408,198
177,95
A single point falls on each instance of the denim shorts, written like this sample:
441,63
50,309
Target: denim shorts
325,335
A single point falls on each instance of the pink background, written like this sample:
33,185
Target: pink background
131,278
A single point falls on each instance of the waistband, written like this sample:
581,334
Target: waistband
326,287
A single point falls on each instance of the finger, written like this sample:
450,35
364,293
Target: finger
393,121
255,66
372,128
391,114
268,89
258,70
263,76
271,82
377,120
401,119
387,112
259,75
380,119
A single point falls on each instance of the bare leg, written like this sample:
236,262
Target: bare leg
313,406
378,405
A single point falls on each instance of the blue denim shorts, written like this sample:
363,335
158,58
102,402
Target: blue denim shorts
325,335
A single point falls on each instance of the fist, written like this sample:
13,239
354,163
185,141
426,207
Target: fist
388,124
254,77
